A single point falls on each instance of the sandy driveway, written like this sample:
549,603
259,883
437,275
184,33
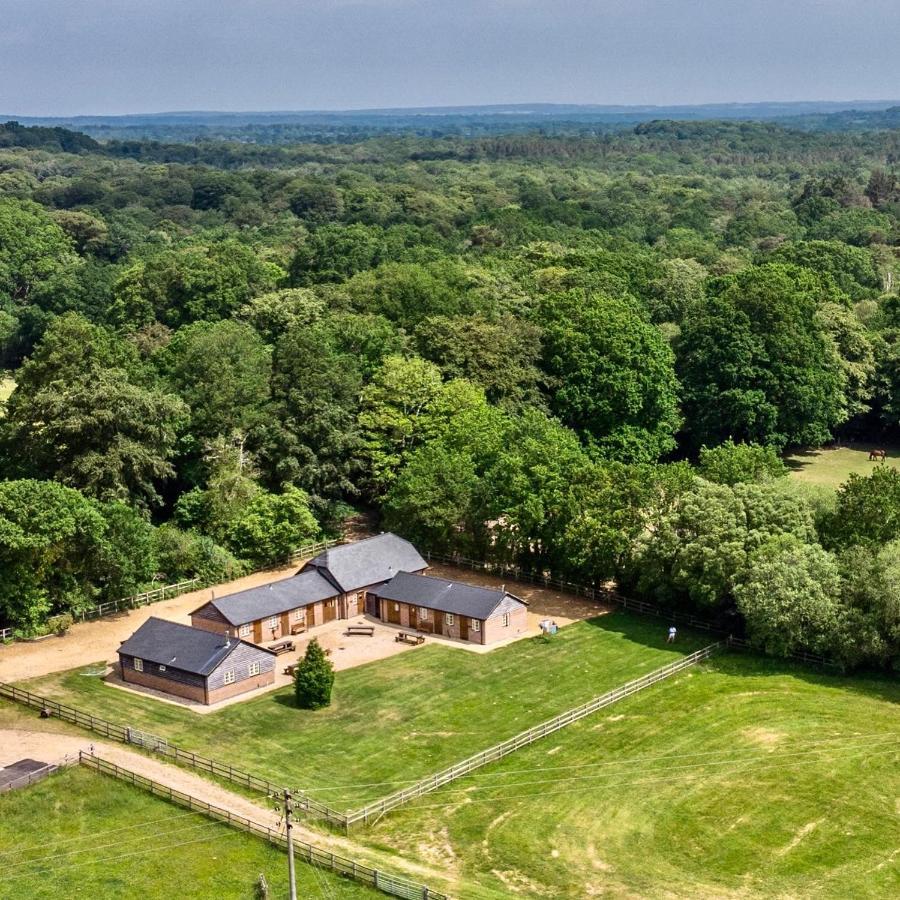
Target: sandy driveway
17,744
88,642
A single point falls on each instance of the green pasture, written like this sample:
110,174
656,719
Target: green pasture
399,718
832,467
79,834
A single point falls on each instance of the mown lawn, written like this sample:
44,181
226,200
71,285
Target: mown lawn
744,778
83,835
831,468
400,718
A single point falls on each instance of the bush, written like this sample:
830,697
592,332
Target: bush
313,678
60,624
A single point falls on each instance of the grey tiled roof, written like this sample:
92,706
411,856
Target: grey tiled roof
447,596
180,646
273,599
371,561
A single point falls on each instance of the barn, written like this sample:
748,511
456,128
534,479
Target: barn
193,663
272,611
450,608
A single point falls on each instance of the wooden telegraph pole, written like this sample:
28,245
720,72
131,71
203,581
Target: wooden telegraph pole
290,843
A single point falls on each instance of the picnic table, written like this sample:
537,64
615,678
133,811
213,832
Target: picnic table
405,637
281,647
368,630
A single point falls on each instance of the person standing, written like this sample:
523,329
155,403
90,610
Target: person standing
672,632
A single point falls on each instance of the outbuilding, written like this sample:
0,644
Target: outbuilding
451,608
272,611
193,663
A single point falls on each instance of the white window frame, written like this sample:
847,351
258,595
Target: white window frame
506,620
299,615
138,665
448,618
162,668
272,622
245,630
228,676
422,613
396,607
253,669
476,625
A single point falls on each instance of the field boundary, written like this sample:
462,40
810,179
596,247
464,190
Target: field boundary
607,595
394,885
432,782
156,595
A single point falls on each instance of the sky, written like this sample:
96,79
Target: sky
68,57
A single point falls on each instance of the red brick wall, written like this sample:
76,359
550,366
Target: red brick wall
160,683
494,630
239,687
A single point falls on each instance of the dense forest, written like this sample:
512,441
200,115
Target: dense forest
584,353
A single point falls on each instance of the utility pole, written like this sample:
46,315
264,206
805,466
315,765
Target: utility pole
288,809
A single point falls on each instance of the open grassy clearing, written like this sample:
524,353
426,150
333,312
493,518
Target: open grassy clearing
91,820
832,467
401,717
621,804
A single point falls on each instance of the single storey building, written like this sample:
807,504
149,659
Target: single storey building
450,608
356,569
193,663
331,586
271,611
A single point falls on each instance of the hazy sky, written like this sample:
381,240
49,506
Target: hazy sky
116,56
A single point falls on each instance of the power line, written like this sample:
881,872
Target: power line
542,794
834,743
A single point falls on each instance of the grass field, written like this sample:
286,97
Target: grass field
831,468
99,838
401,717
746,778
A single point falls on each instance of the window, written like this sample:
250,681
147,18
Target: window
162,668
138,665
330,604
245,630
357,596
449,618
423,614
476,624
253,669
299,615
506,620
229,676
396,607
273,622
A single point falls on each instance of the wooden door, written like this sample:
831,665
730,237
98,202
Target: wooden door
463,628
257,631
372,606
413,617
329,613
393,612
438,622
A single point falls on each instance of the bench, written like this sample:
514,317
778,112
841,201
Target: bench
289,670
281,647
361,629
299,628
405,637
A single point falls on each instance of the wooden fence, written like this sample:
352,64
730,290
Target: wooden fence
395,885
375,810
173,590
599,595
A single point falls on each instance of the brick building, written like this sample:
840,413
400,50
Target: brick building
193,663
450,608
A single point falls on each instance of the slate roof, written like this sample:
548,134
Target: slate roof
444,595
367,562
273,599
180,646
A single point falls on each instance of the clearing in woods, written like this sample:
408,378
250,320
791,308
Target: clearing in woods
745,777
97,837
402,717
831,467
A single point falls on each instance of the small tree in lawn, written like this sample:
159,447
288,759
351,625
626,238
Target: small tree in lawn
313,678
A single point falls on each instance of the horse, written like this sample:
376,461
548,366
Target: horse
877,454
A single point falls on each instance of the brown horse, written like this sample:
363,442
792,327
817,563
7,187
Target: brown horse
878,454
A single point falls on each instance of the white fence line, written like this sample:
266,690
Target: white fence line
498,751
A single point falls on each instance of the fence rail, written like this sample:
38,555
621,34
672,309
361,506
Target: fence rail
395,885
173,590
599,595
498,751
798,656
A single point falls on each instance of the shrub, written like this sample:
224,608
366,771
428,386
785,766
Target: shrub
313,678
60,624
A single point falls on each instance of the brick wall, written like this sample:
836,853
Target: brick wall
164,682
495,630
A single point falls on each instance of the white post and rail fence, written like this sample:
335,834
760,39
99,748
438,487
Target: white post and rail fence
373,811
